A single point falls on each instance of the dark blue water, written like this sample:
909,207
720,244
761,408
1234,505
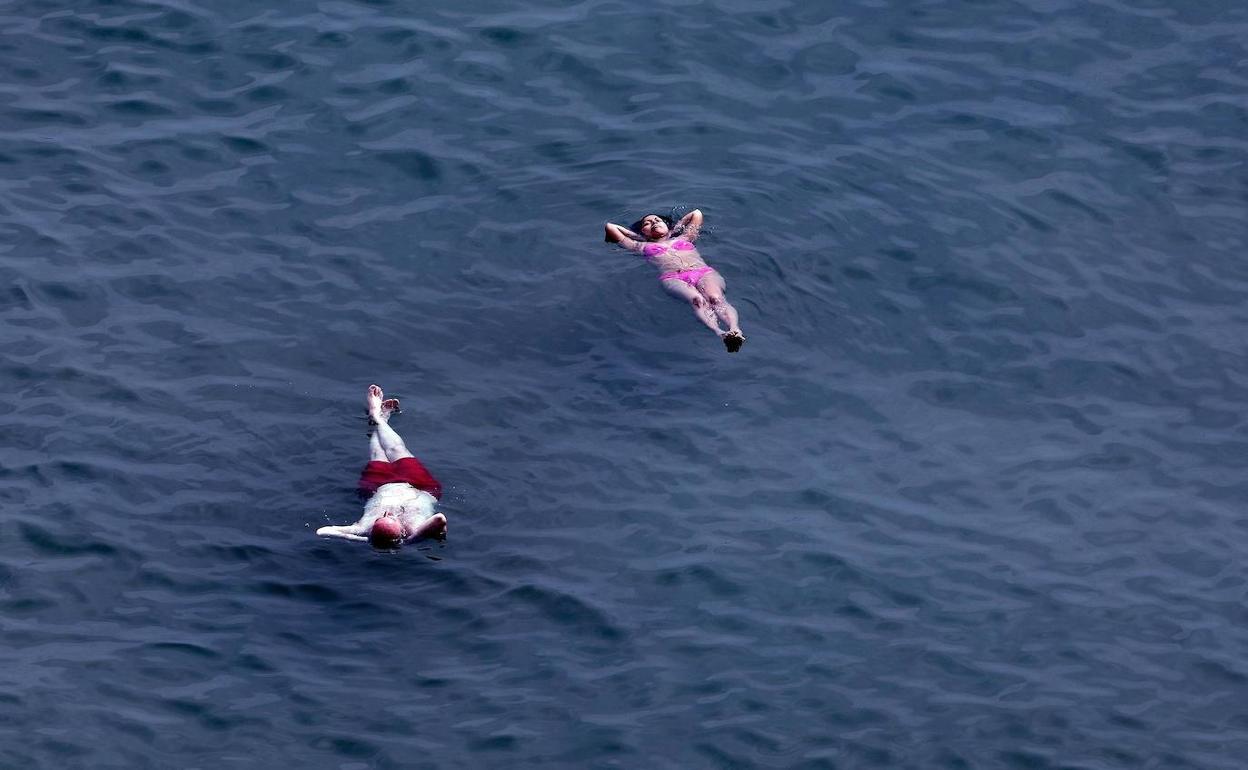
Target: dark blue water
972,496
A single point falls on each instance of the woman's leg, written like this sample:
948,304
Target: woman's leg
712,286
701,308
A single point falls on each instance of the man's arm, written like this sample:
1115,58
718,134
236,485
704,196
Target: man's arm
690,224
348,532
434,526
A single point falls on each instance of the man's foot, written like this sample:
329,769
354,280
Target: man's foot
373,402
388,407
733,341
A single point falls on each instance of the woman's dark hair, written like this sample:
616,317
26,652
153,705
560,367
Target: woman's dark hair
637,225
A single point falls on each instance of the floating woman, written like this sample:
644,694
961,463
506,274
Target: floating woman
682,270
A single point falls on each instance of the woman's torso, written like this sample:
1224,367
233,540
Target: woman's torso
672,255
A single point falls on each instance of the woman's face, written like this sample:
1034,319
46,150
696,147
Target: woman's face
653,227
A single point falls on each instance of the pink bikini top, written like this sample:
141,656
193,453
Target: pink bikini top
655,249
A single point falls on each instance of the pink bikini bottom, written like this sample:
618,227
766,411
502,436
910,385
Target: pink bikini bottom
690,276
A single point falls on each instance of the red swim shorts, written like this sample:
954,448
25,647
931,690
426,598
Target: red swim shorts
409,470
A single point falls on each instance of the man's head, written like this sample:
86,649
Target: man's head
387,532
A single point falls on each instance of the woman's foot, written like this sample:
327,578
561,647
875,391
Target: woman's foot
733,340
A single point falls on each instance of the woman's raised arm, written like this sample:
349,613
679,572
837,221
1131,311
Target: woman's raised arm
623,236
690,224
